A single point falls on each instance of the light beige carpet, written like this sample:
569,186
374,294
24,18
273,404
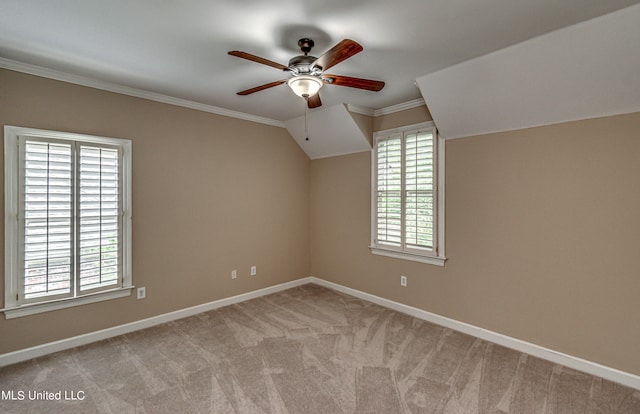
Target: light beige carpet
306,350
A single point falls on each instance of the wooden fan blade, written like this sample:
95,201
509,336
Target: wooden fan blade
314,101
258,59
368,84
337,54
262,87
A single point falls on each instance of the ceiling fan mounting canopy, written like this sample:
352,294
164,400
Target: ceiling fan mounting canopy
306,45
308,71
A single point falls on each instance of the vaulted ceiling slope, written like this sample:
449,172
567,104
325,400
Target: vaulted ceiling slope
331,131
588,70
178,49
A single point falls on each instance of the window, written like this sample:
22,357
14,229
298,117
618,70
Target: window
408,194
67,220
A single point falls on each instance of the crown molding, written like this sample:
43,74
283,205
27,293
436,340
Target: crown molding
360,110
400,107
388,110
126,90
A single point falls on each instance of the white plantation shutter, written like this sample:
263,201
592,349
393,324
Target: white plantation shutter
46,201
67,207
98,216
389,191
405,194
419,189
70,220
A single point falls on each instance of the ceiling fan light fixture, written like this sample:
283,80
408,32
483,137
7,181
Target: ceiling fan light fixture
305,86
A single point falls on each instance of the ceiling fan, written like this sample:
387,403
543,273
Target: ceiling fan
308,71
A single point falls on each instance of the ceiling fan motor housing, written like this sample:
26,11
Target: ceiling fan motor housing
301,65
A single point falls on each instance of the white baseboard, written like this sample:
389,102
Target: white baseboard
611,374
68,343
579,364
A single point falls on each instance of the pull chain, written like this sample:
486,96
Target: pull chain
306,129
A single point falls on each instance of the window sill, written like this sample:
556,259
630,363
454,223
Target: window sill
34,308
433,260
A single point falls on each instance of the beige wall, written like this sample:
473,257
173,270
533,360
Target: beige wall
542,228
542,236
210,194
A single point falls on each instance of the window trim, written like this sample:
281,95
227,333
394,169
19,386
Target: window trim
12,309
437,255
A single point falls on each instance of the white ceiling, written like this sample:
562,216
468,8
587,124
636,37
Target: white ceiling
179,48
588,70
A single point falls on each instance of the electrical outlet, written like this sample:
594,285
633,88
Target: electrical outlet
234,274
254,271
142,292
403,281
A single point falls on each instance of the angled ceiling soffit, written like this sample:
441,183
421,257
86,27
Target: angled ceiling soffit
583,71
332,131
